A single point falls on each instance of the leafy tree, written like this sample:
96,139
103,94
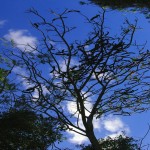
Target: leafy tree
24,129
7,86
4,73
108,77
118,143
142,6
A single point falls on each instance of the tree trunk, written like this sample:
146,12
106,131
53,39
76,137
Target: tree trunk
90,134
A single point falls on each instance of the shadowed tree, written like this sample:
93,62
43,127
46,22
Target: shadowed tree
7,87
142,6
118,143
99,75
24,129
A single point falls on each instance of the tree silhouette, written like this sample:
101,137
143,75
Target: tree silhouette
142,6
118,143
7,87
24,129
101,75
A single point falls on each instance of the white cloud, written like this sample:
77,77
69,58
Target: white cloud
63,64
21,39
72,108
106,75
74,136
97,124
2,22
77,138
21,76
115,125
86,47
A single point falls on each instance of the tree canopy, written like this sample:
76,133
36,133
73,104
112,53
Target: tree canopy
118,143
101,75
24,129
7,86
142,6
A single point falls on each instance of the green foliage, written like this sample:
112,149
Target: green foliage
142,6
5,71
123,4
118,143
7,84
24,129
4,81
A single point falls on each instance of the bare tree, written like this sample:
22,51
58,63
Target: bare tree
108,73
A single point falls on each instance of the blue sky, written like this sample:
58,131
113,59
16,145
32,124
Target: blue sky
15,23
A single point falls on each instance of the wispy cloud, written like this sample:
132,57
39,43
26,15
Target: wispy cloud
21,39
2,22
21,76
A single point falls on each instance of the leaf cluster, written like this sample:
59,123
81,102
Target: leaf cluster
142,6
118,143
24,129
